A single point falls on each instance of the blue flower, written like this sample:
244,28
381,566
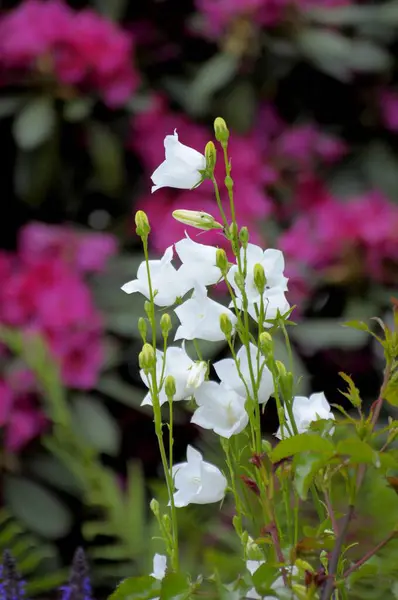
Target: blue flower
79,586
12,587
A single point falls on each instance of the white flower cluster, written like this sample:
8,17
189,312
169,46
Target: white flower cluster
221,406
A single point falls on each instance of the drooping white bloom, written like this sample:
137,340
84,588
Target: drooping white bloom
274,298
159,566
228,373
188,374
220,409
181,167
305,411
198,262
200,317
197,481
167,283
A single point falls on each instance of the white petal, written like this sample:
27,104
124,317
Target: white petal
194,457
136,286
253,565
159,566
177,153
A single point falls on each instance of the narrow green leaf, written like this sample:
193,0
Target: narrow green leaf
304,442
357,325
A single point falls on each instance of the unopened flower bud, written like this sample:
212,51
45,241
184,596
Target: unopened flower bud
142,328
211,156
197,374
170,386
221,260
154,506
148,308
225,325
265,343
259,277
240,281
165,324
146,357
142,224
253,550
281,415
221,131
197,218
244,236
281,368
266,446
229,183
166,523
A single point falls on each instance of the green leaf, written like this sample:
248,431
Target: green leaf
303,442
36,507
137,588
49,469
317,334
241,94
35,171
35,123
78,109
119,390
356,325
96,425
358,451
136,508
306,467
175,586
263,578
106,153
211,77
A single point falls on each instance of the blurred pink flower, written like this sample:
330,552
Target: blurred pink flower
81,47
85,251
389,109
20,417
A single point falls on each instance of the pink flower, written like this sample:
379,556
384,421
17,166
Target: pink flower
389,109
20,417
81,48
85,251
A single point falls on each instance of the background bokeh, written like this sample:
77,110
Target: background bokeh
309,89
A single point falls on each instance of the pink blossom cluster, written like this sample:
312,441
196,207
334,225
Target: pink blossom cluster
79,48
331,231
218,14
43,291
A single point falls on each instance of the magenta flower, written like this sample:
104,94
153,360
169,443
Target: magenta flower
389,109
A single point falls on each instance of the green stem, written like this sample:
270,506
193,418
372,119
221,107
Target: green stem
219,203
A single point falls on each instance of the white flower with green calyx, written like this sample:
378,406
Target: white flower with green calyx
220,409
227,371
167,284
183,167
188,375
200,317
305,411
197,481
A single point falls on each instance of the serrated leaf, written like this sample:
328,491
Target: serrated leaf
36,507
175,586
137,588
95,424
35,123
303,442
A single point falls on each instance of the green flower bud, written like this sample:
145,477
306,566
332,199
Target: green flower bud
170,386
244,236
148,308
221,131
281,415
266,446
142,328
142,224
147,357
282,372
240,281
211,156
266,344
229,183
166,523
155,507
226,325
197,218
260,279
165,324
221,260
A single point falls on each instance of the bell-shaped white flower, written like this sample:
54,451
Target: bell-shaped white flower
200,317
220,409
198,262
273,264
305,411
197,481
167,283
188,374
274,300
181,167
159,566
228,373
